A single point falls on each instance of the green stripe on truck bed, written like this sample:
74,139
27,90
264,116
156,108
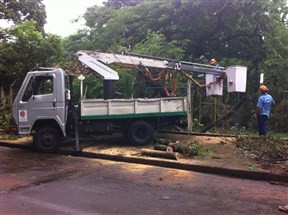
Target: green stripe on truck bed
123,116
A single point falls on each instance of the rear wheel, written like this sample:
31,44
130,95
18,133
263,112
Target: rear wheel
46,139
140,133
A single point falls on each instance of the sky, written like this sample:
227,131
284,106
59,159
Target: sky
60,14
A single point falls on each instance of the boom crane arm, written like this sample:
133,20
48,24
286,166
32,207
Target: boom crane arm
105,72
236,75
150,61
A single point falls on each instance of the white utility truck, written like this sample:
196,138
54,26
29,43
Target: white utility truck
44,109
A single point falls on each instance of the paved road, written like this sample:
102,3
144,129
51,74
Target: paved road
33,183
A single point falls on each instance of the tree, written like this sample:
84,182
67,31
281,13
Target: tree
157,45
76,42
254,32
23,10
121,3
24,49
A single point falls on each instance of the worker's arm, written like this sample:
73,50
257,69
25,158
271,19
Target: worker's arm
258,107
258,110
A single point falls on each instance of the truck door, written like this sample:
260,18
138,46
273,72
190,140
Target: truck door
38,101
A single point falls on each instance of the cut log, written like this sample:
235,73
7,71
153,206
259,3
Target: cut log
160,154
176,147
163,148
190,150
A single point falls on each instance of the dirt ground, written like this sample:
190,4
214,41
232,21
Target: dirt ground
216,151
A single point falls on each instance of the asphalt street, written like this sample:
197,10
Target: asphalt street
35,183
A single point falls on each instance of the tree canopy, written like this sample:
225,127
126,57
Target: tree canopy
252,33
26,48
23,10
24,45
246,32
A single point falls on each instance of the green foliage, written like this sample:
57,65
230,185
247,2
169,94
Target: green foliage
247,32
279,119
121,3
197,125
193,149
74,43
26,48
24,10
125,85
157,45
92,88
267,148
5,116
205,151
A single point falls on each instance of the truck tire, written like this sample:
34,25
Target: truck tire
46,140
139,133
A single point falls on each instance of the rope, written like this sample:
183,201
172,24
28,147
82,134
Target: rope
218,80
173,93
148,74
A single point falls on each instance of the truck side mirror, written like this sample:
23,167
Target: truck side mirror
67,95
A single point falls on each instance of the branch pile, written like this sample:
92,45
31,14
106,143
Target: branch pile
266,150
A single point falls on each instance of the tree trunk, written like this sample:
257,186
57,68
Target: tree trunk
10,98
161,154
2,95
163,148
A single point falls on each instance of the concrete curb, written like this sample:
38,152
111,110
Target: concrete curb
237,173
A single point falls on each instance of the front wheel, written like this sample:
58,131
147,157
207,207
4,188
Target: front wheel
46,139
139,133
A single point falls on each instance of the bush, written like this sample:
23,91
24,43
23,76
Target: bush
5,109
279,118
268,148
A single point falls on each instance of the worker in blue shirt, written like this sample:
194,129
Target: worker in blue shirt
263,109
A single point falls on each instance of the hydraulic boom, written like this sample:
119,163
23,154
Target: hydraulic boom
150,61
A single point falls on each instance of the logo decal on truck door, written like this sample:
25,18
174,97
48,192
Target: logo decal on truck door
23,116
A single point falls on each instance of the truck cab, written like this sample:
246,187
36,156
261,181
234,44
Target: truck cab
41,106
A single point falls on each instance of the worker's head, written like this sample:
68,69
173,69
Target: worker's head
263,89
213,62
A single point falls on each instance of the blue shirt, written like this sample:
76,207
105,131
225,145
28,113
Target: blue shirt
264,104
